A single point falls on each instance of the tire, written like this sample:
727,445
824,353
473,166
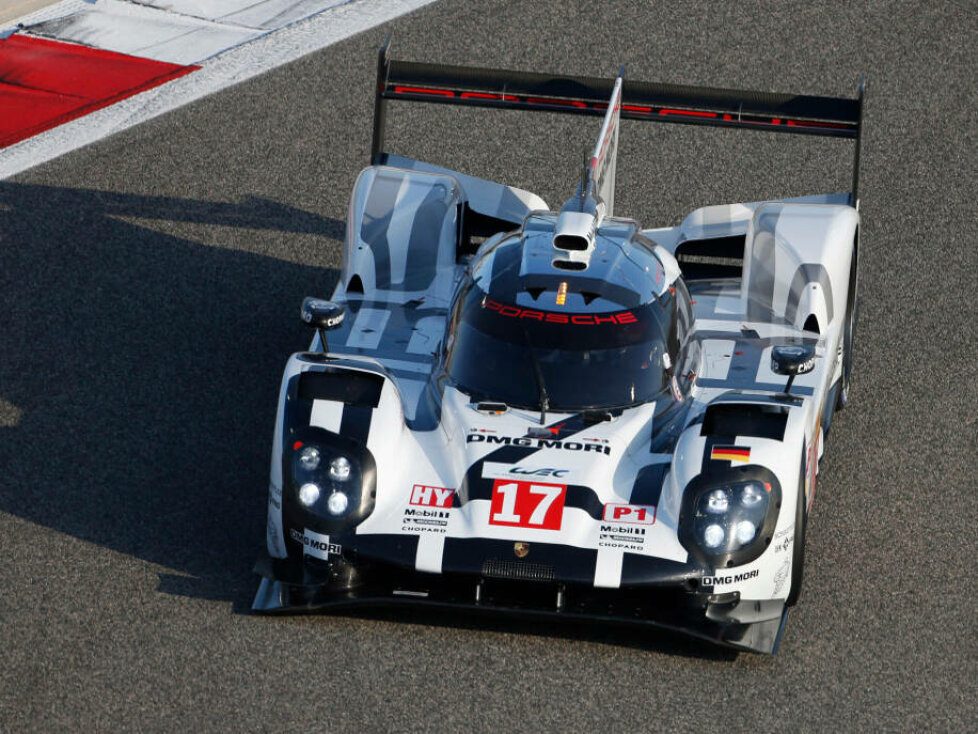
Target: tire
798,546
852,314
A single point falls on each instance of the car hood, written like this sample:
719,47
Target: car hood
502,476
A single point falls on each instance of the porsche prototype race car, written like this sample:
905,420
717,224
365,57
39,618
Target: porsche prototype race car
521,410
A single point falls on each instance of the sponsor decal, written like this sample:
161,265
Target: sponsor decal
624,537
544,472
579,319
424,525
425,521
272,535
440,514
781,576
422,494
634,514
540,443
732,578
730,453
527,504
784,539
314,544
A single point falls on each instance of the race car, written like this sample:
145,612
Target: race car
558,413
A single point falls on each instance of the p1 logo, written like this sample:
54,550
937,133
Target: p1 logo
634,514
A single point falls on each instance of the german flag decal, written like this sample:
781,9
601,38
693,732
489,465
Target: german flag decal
730,453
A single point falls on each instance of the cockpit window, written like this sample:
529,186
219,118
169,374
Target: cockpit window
587,361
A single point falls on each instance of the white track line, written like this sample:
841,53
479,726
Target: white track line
224,70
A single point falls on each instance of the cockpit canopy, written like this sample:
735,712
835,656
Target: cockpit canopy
594,338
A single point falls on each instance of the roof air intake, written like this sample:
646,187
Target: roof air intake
574,240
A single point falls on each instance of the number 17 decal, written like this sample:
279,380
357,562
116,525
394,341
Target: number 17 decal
527,504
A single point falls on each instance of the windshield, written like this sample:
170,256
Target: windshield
587,361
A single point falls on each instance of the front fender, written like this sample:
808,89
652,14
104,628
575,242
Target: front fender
347,405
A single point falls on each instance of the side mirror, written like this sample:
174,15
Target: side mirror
792,360
322,315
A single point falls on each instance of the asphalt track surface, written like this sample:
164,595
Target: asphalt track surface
151,284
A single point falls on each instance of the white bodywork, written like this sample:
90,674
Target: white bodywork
796,266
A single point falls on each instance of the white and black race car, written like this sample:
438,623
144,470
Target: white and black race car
560,413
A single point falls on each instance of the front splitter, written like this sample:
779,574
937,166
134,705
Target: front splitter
725,620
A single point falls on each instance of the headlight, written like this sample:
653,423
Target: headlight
332,481
339,469
717,502
728,516
337,503
713,536
309,458
308,494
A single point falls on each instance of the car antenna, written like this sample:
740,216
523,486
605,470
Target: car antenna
544,398
582,190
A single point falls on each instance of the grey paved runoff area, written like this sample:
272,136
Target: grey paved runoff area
151,284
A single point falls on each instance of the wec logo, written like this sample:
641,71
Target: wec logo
539,472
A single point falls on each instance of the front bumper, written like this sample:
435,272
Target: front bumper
723,619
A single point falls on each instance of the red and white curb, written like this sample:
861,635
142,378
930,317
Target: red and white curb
78,71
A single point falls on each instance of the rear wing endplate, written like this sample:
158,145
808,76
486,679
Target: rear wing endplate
837,117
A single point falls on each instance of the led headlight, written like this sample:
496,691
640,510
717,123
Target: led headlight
713,536
309,458
332,481
308,494
745,531
728,516
337,503
339,469
717,502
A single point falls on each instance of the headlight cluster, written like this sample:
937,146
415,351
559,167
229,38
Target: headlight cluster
327,480
727,518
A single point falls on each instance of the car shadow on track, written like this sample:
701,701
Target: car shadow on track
140,370
139,380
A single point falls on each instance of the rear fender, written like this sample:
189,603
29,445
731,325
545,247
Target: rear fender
402,233
796,263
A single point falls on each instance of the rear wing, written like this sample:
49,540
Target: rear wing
837,117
